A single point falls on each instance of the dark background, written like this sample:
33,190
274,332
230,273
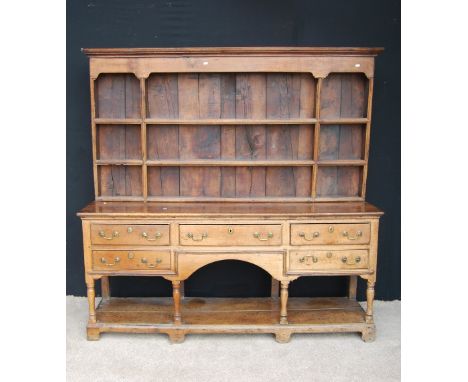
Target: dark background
150,23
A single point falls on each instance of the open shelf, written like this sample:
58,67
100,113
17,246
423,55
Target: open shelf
117,96
229,311
119,181
238,142
336,181
342,142
344,95
231,136
118,142
229,182
230,95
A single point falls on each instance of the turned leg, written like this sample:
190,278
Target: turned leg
105,287
352,287
370,301
91,301
274,288
284,302
92,333
176,296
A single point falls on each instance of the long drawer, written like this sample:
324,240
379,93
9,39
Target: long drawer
312,260
230,235
311,234
139,234
132,260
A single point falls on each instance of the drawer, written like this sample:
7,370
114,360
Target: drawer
328,259
230,235
310,234
132,260
139,234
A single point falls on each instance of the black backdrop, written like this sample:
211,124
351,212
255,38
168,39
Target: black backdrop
173,23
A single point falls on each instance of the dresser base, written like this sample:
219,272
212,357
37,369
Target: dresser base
230,315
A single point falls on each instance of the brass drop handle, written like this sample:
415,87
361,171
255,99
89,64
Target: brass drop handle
346,234
104,261
114,234
144,260
304,258
311,237
190,235
145,235
258,236
357,260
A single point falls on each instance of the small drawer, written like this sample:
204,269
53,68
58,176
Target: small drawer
311,234
116,234
328,260
132,260
230,235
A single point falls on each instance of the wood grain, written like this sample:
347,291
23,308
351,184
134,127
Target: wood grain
163,210
117,96
118,142
344,96
339,181
341,142
250,140
120,180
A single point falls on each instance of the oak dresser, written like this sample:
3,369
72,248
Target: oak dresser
210,154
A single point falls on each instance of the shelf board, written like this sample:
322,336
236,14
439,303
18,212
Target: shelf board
241,312
339,199
343,121
230,121
342,162
117,121
259,199
229,163
224,121
119,162
119,198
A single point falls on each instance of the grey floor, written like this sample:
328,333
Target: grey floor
241,358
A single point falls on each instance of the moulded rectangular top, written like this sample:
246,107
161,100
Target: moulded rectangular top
232,51
194,209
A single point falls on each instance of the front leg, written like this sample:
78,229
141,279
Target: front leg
370,301
92,331
284,302
91,300
176,297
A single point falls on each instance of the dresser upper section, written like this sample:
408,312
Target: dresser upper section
231,124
